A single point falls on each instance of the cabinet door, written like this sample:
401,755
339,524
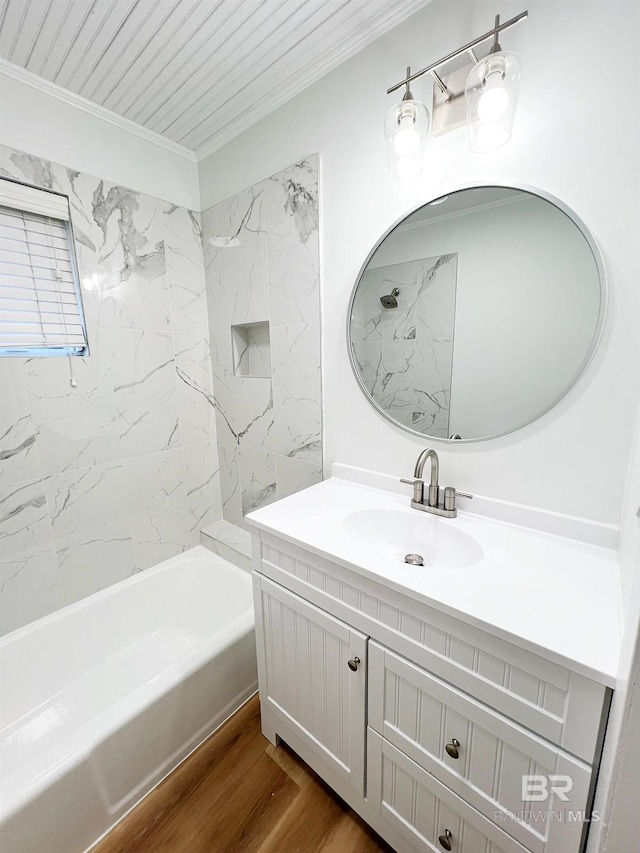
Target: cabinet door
312,673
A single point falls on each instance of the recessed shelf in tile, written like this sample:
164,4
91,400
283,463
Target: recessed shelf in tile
251,350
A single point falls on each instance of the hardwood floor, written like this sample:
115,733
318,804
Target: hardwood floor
239,794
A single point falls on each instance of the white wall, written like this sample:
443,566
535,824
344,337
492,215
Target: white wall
565,142
57,129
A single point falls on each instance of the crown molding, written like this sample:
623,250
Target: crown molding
8,69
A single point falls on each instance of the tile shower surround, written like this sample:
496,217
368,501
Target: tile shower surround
261,252
103,480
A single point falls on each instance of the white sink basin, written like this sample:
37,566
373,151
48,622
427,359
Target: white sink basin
395,534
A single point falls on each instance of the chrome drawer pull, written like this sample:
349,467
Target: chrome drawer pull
353,664
452,748
445,839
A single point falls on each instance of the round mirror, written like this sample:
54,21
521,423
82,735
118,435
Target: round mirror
476,313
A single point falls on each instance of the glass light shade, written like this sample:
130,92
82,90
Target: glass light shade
491,95
405,130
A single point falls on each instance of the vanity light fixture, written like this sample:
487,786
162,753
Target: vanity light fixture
490,93
488,99
405,128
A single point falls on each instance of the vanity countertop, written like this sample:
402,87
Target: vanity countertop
552,595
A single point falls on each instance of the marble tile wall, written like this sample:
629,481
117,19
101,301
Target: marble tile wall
405,354
261,264
106,479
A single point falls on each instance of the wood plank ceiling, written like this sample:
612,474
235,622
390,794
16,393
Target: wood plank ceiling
199,72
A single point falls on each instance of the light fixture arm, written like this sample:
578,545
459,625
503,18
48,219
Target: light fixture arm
440,83
495,47
468,48
407,95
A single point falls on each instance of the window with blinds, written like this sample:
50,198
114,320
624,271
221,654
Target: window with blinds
40,302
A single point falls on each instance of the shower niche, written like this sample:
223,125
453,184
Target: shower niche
251,350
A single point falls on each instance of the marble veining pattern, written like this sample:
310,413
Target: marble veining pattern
19,457
254,412
142,368
297,392
258,478
91,529
30,584
223,385
262,275
185,269
33,169
157,507
202,480
300,184
25,522
291,218
195,386
77,427
293,475
230,486
405,354
234,243
131,259
104,479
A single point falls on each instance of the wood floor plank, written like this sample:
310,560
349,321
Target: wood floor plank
352,834
237,814
239,794
310,821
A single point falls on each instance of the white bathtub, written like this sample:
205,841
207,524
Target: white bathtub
102,699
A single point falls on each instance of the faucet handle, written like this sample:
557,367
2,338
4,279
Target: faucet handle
450,497
418,488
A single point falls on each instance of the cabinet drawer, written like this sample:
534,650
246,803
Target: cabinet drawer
422,715
561,706
421,809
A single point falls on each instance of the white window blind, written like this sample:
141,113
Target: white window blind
40,303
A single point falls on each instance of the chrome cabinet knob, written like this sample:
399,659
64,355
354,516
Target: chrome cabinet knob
353,664
453,747
445,839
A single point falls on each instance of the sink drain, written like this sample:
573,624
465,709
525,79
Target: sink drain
414,559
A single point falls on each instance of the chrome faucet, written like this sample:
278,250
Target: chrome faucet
445,508
432,497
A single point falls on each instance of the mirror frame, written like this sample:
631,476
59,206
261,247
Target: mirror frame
584,364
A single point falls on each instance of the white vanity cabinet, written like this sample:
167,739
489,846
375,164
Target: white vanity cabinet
449,716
